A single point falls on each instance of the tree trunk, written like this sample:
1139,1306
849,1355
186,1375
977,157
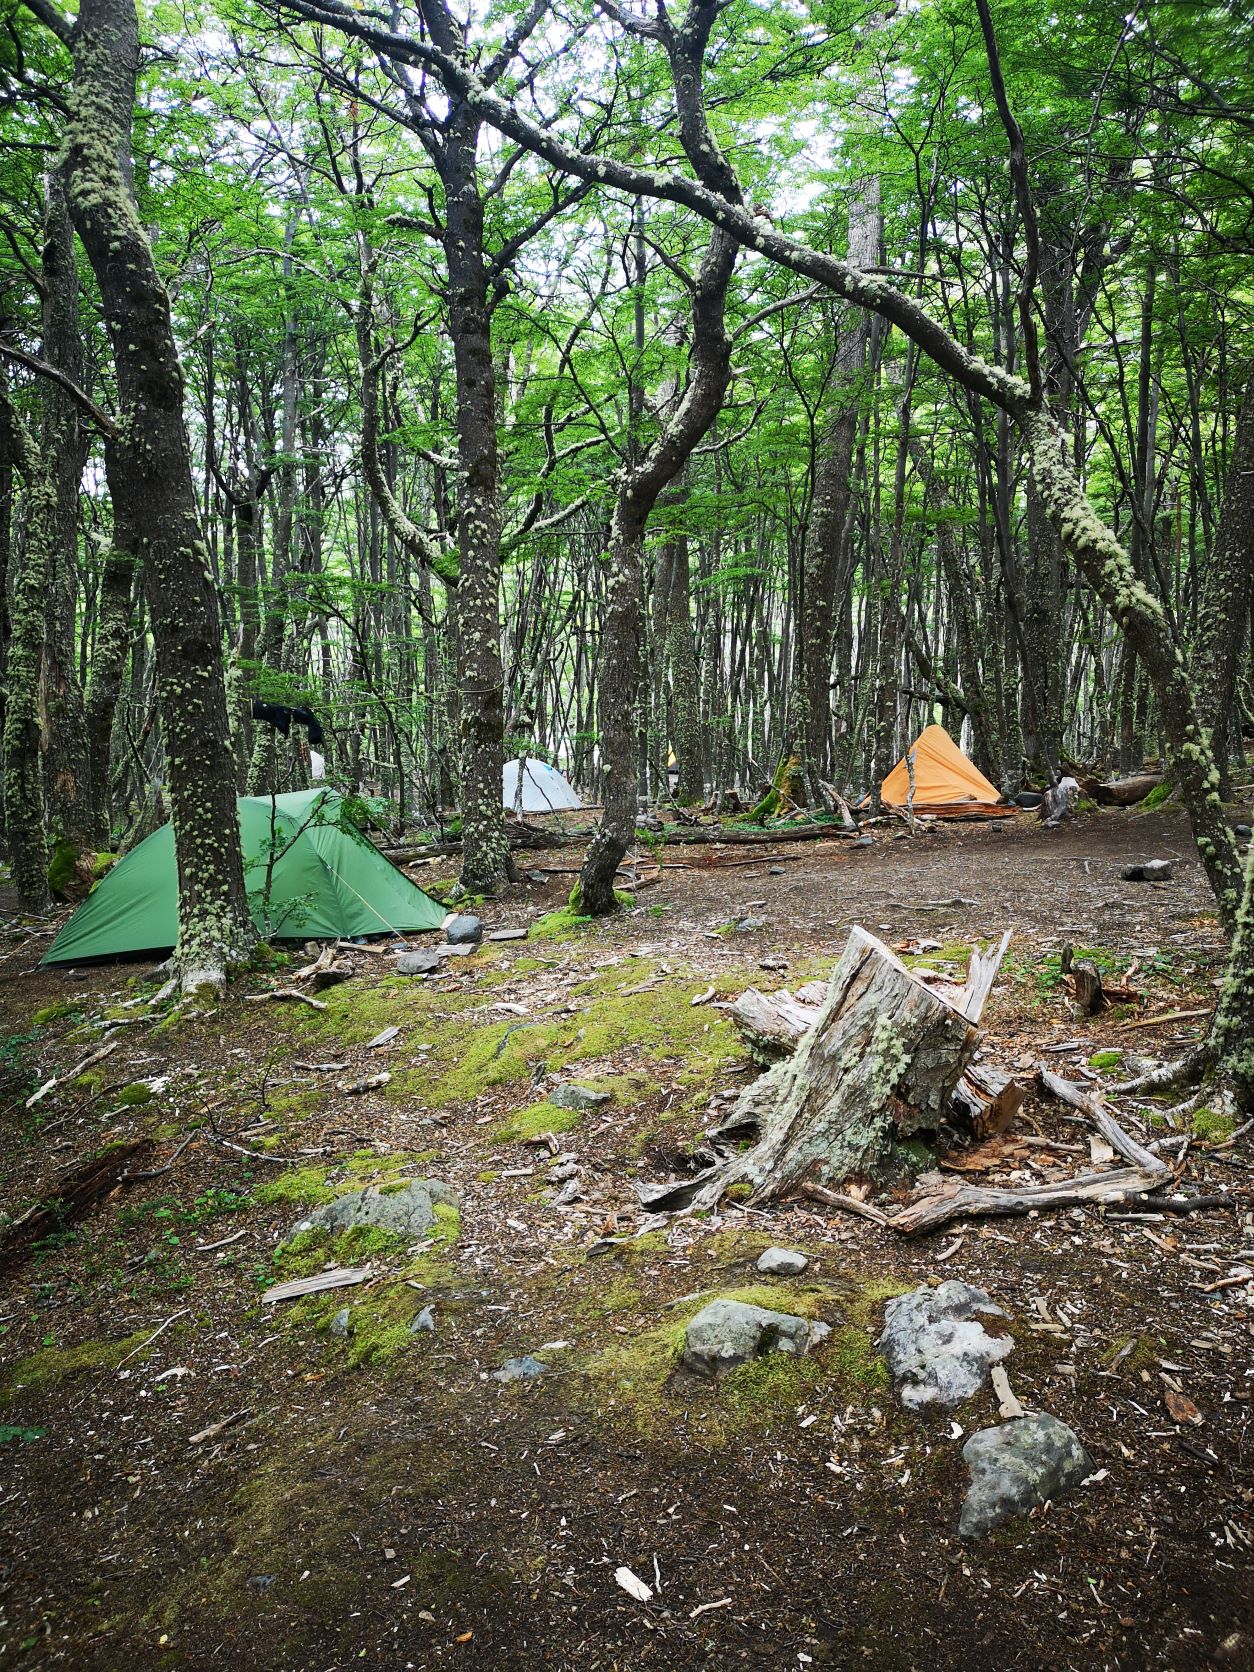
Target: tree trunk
64,445
159,502
23,760
1227,595
825,571
879,1065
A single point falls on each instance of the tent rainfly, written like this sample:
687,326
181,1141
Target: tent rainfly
945,781
535,787
326,880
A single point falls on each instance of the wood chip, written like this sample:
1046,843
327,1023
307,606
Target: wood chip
341,1277
1008,1407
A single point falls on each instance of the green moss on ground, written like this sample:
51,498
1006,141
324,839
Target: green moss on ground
43,1368
538,1118
304,1187
1105,1059
637,1378
134,1095
1212,1126
55,1012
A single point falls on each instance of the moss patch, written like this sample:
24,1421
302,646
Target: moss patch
49,1365
1212,1126
1105,1059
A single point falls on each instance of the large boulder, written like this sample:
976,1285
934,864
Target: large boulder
730,1332
406,1206
937,1349
1016,1466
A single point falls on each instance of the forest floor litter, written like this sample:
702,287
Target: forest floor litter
366,1351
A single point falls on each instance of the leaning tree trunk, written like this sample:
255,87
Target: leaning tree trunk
159,503
1147,630
879,1065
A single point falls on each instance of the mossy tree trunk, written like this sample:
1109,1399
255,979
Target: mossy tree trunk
154,482
878,1066
1226,599
25,826
64,444
642,481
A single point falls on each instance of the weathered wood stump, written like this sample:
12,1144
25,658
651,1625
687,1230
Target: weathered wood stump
879,1064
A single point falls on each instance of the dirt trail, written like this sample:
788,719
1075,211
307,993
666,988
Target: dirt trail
376,1498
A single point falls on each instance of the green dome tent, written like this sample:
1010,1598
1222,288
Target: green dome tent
327,880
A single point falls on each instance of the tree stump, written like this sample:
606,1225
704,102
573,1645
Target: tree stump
879,1064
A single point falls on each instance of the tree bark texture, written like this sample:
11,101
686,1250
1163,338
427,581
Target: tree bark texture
158,498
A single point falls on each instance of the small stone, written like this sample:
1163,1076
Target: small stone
581,1098
730,1332
1016,1466
1153,870
937,1350
417,963
259,1581
339,1324
749,925
464,930
537,877
425,1320
782,1262
1242,832
508,935
406,1206
523,1369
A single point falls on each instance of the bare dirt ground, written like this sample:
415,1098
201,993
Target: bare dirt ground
190,1478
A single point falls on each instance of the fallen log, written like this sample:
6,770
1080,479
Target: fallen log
1132,1183
1127,1184
878,1065
73,1196
1126,792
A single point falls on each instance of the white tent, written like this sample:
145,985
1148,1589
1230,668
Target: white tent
537,788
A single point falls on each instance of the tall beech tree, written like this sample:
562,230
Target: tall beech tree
152,472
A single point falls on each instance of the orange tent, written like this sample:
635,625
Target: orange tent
945,781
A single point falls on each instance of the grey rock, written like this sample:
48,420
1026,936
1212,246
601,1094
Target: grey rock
582,1098
1153,870
339,1324
937,1350
782,1262
464,930
406,1206
417,963
523,1369
749,925
537,877
729,1332
1016,1466
425,1320
456,949
1242,832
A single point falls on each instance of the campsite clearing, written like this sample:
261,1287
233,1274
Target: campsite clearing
203,1481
